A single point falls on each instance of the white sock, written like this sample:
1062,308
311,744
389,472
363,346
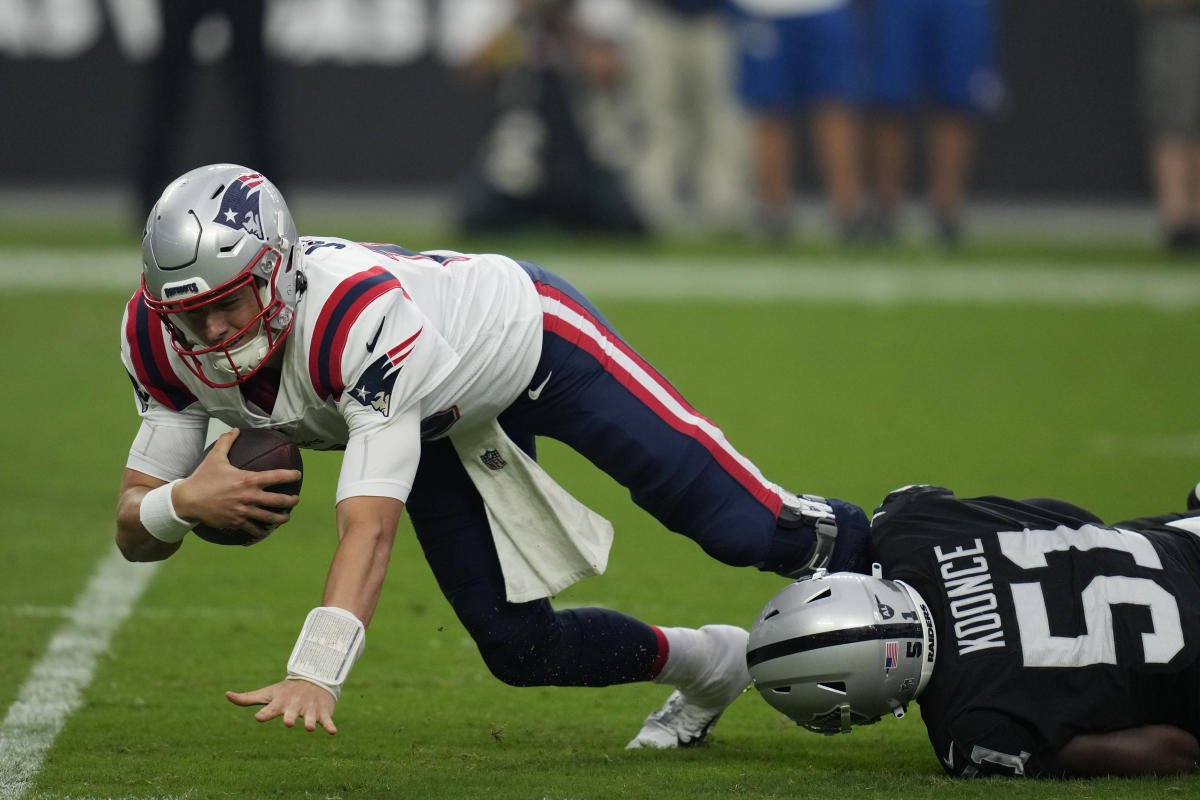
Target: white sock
688,657
707,665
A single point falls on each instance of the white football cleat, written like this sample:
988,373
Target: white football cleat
691,712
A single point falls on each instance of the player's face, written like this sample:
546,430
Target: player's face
225,317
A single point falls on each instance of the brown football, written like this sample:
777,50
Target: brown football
256,449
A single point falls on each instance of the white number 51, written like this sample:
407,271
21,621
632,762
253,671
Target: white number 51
1028,549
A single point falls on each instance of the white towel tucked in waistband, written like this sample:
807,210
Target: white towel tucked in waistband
546,539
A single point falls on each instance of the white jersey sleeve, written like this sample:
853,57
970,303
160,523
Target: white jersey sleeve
378,356
394,356
169,444
170,441
381,457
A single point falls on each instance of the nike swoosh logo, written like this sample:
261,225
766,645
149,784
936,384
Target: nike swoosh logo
534,394
375,339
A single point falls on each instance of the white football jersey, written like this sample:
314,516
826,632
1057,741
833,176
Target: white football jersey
387,347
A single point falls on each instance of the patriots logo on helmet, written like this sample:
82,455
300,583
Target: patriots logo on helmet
374,387
239,205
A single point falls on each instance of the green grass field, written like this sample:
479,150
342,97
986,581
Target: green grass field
1034,394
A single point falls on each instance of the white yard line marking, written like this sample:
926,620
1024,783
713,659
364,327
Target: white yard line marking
55,686
158,613
879,284
126,797
686,279
1158,445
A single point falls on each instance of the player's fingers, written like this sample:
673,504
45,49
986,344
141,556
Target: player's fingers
255,698
263,517
274,500
224,442
326,721
270,713
272,477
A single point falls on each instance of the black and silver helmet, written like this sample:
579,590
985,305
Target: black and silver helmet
835,650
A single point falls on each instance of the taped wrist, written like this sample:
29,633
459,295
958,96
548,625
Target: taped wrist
330,642
158,517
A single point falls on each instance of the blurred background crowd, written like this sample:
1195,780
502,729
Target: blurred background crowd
638,117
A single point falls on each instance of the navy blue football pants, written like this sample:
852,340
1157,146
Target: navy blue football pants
605,402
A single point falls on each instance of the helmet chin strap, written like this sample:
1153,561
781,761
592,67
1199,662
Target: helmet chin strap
245,357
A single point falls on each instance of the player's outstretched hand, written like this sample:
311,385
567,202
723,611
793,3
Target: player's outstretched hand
220,495
292,700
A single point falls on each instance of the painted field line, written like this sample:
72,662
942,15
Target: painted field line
216,613
55,686
1164,445
754,279
883,285
123,797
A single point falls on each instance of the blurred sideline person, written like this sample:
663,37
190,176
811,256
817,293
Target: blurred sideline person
1170,93
1039,641
940,52
801,57
171,79
434,372
557,153
691,168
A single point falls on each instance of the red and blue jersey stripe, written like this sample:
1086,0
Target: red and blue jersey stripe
337,317
147,338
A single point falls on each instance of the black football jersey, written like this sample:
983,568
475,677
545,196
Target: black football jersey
1049,623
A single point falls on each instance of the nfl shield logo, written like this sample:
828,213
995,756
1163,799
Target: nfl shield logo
492,460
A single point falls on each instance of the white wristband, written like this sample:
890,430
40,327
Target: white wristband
158,516
330,642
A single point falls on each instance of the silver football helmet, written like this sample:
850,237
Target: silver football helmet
214,231
835,650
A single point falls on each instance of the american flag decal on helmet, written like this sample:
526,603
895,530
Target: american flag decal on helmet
239,205
374,386
891,655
